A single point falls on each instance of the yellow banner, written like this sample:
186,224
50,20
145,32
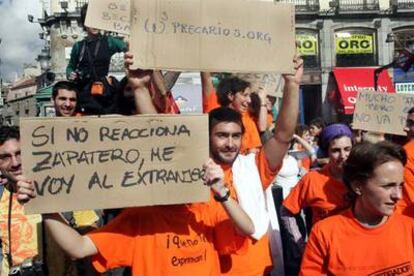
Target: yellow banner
354,44
307,44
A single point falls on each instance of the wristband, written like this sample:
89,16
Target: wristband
222,199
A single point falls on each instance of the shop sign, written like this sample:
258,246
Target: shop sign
404,87
307,44
354,44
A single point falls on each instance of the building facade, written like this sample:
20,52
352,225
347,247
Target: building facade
341,34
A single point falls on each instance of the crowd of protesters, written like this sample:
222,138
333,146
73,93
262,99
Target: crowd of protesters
286,199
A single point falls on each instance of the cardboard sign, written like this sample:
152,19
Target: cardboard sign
354,44
214,35
382,112
109,15
273,83
114,162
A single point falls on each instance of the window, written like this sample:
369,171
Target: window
308,46
403,39
356,47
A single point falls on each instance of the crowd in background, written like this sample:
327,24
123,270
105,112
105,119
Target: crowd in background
286,198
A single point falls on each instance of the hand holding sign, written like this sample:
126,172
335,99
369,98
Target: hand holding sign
25,189
214,177
297,76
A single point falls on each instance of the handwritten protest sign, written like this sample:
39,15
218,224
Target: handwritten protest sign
273,83
198,35
112,162
109,15
382,112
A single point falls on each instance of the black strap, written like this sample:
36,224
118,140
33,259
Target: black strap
9,217
91,58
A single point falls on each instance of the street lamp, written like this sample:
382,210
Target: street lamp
44,59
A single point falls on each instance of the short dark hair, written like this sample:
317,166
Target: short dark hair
8,133
224,114
411,111
365,157
301,129
229,86
319,122
68,85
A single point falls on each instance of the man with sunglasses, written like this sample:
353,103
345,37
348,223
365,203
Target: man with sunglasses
22,237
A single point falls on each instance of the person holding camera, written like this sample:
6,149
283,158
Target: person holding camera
89,66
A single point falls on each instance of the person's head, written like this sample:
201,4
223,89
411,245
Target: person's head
374,175
303,132
10,159
234,92
270,102
316,126
336,142
226,130
89,31
64,97
409,124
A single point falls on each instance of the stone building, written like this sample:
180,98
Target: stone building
339,39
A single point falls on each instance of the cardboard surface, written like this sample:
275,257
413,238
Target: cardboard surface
114,162
109,15
382,112
273,83
214,35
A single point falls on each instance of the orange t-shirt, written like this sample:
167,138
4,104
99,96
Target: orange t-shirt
257,258
166,240
318,190
251,136
269,120
340,245
210,101
406,204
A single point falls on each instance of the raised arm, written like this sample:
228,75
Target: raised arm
308,147
73,243
206,84
276,147
262,118
170,78
138,81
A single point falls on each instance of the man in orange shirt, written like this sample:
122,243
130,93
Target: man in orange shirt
406,204
247,176
158,240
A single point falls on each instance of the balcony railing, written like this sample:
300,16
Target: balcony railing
304,5
80,3
358,5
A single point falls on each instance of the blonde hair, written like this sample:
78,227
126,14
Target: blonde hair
373,137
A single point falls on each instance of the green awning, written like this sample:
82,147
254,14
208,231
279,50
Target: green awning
44,94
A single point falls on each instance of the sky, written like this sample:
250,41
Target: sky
20,41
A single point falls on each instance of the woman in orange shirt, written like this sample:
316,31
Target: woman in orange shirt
367,239
322,191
